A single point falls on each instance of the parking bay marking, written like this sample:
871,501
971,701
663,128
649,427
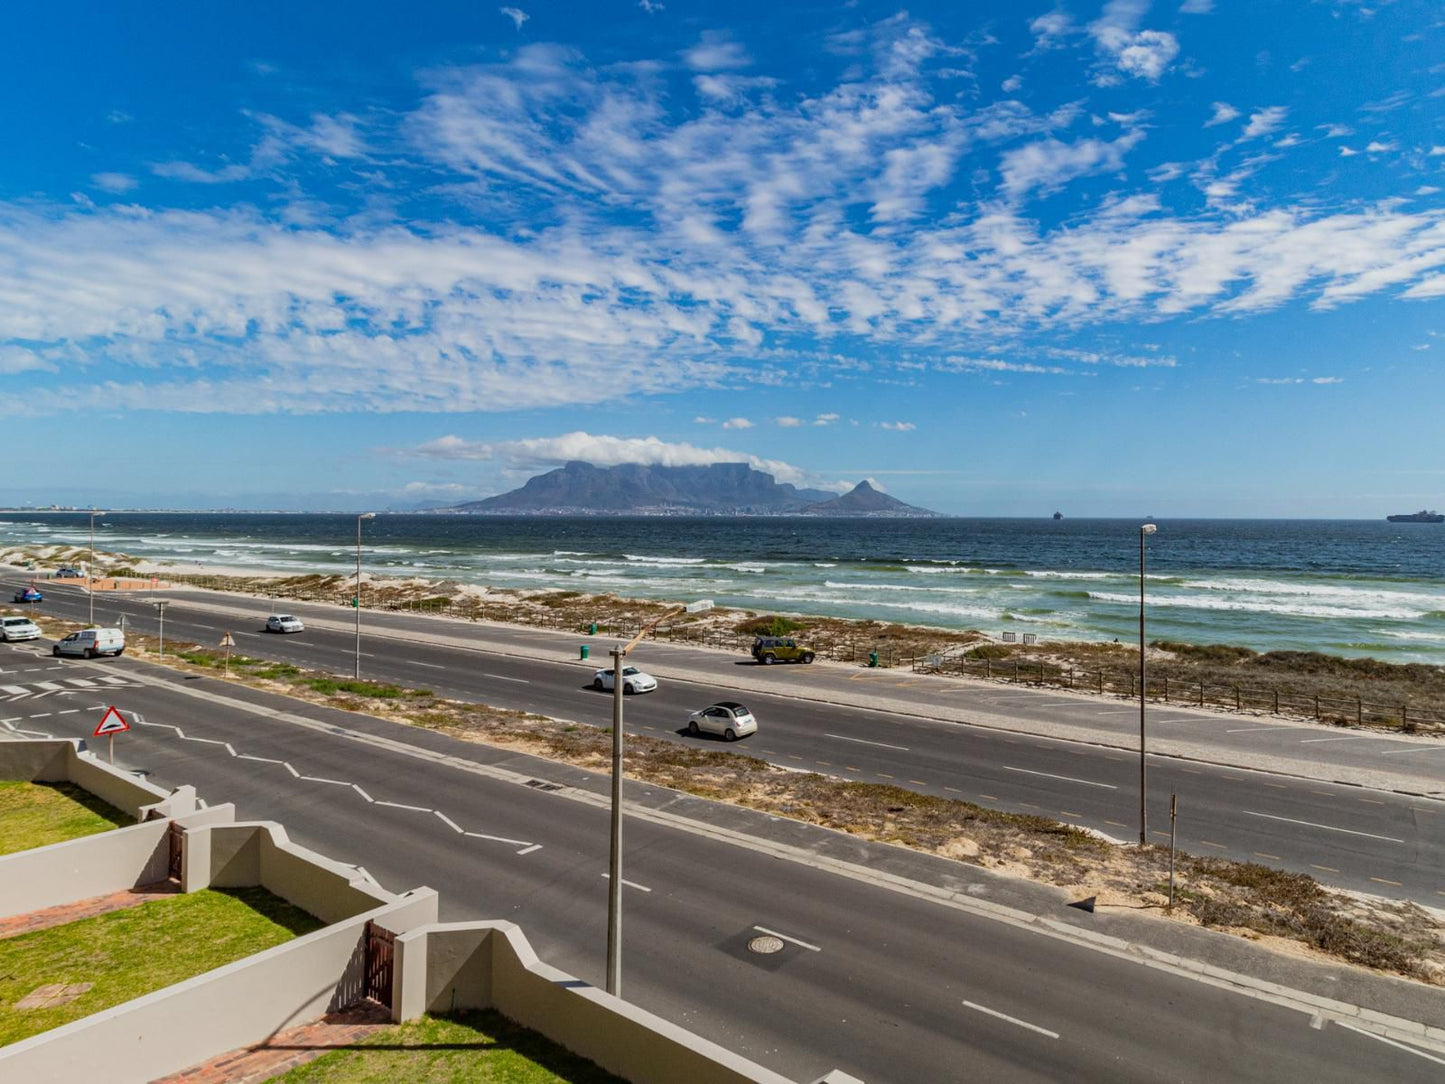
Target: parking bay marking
1326,827
865,741
1011,1019
789,940
1065,778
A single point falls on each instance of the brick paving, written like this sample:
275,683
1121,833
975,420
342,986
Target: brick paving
96,905
287,1049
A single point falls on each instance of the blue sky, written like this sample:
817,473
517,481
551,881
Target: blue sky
1116,258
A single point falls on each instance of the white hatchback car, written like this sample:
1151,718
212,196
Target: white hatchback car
633,680
284,623
727,718
18,628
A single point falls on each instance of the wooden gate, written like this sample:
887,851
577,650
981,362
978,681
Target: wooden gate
380,954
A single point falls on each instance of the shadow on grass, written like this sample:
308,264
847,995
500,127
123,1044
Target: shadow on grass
99,806
286,915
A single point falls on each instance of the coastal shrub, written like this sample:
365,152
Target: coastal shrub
1224,654
327,686
990,651
770,625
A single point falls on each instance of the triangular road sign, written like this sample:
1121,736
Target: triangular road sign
1085,905
112,722
226,641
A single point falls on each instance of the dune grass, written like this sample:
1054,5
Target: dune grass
39,814
125,954
477,1047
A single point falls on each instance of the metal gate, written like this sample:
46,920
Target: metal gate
177,849
380,954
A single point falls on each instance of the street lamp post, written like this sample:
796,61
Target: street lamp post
1145,530
90,569
614,862
160,605
357,600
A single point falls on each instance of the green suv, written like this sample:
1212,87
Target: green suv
770,649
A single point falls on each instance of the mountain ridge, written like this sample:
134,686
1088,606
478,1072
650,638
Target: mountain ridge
581,488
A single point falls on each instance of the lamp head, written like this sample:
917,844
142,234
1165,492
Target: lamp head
1148,528
367,515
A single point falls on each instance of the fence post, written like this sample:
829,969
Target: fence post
988,668
1133,691
1405,718
1166,688
1016,669
1276,701
1041,675
1101,681
1236,698
1201,694
1359,712
1317,707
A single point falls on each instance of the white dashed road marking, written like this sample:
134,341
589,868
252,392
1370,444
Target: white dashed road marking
1326,827
629,884
865,741
789,940
1011,1019
1066,778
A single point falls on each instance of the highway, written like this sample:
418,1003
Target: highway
873,979
1385,843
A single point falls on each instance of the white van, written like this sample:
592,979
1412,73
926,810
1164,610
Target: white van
91,642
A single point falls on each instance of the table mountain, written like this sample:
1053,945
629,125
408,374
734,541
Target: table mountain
713,489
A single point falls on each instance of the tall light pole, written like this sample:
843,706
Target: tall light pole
357,600
1145,530
614,863
90,569
160,605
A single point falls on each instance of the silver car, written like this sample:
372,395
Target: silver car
284,623
633,680
727,718
18,628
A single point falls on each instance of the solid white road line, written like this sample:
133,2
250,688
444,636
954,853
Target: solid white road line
789,940
1326,827
529,850
494,839
447,821
399,805
1011,1019
1391,1042
1257,729
1414,749
429,665
629,884
1347,737
1065,778
865,741
504,677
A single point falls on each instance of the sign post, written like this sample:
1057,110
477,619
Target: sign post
111,724
227,642
160,605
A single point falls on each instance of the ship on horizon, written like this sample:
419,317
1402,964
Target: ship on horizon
1421,516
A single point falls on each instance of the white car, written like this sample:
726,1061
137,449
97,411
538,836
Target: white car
726,718
18,628
633,680
284,623
89,643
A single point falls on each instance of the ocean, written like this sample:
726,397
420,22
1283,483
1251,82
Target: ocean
1347,587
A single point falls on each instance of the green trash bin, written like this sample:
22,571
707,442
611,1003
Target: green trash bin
872,658
592,629
585,650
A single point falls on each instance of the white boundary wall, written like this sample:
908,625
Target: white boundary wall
63,761
479,965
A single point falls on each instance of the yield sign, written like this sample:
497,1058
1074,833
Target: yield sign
112,722
226,641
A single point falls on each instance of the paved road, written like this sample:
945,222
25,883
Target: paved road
886,985
1386,843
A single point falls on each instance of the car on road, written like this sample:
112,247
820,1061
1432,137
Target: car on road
89,643
284,623
69,574
18,628
727,718
770,649
28,594
633,680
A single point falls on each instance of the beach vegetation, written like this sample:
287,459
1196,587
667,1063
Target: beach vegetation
770,625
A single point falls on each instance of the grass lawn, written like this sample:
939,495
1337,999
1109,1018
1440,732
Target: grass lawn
475,1047
37,814
129,953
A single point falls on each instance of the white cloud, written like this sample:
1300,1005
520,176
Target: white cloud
113,182
1336,131
1328,380
1436,151
1050,30
1196,7
1376,146
652,7
1223,113
117,116
825,419
601,451
517,15
716,52
1264,121
1011,84
789,422
1050,163
737,423
898,427
1144,54
1347,152
702,420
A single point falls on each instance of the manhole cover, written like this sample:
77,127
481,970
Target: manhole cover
765,946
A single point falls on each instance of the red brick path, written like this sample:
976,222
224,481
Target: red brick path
96,905
288,1049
